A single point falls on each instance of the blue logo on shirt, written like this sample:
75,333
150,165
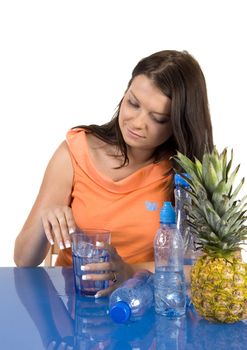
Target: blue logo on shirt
152,206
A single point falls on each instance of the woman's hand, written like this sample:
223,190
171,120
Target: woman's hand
58,223
115,270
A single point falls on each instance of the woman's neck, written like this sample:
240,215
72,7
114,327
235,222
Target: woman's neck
140,156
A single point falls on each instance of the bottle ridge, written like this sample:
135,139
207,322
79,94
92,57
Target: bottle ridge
182,206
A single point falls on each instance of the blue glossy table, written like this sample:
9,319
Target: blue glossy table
39,310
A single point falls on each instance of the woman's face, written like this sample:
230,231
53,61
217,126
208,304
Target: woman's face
144,116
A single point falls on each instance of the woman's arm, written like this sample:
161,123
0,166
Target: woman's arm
50,210
145,265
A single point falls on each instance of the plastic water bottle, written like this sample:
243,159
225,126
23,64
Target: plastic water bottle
133,298
182,205
169,280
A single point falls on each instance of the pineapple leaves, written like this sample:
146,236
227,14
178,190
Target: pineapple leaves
223,161
209,175
189,167
198,167
235,193
228,167
217,219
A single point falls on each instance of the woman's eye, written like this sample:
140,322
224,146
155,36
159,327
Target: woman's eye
133,104
161,121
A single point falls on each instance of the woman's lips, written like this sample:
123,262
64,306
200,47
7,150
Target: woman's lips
134,134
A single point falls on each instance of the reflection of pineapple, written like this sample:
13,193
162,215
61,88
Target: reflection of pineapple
217,336
219,277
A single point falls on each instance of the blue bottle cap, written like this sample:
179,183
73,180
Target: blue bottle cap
120,312
179,181
167,214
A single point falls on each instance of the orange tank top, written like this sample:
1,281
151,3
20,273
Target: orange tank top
129,208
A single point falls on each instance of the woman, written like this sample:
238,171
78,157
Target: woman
117,175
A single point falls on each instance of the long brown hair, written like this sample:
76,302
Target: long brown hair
178,75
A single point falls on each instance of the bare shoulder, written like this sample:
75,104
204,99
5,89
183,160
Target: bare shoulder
60,169
62,152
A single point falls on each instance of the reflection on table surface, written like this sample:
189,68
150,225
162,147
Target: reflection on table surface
39,310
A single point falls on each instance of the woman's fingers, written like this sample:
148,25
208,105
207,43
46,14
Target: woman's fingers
58,223
103,266
107,291
111,250
115,270
61,231
71,225
98,276
47,229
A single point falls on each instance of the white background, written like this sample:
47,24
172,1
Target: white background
64,63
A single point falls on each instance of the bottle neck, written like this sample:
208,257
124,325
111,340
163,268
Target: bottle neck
164,224
182,190
120,312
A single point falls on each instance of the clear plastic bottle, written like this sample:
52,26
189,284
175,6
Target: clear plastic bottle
133,298
169,279
182,205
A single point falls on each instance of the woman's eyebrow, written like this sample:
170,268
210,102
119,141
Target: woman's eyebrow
132,93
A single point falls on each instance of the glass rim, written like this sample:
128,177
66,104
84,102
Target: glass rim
90,230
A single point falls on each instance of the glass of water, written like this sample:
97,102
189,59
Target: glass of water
88,248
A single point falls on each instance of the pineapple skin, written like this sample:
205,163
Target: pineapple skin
219,288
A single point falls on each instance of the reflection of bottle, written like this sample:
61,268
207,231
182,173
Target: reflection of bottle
169,281
133,298
135,335
183,205
170,333
93,325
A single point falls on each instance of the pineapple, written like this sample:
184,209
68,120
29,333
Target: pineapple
217,221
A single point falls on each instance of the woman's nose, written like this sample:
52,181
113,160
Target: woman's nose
139,120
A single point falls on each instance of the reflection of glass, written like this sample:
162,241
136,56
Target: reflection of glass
170,333
93,325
